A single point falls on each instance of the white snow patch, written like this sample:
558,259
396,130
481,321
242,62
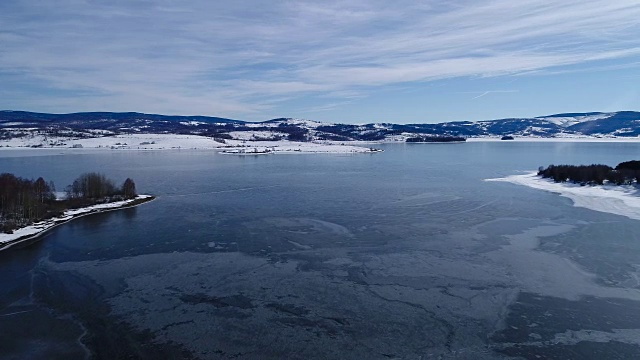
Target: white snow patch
192,123
252,135
309,124
253,125
14,123
99,131
572,120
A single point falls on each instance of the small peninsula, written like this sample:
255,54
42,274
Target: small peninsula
28,208
625,173
596,187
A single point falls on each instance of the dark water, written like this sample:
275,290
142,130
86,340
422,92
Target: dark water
403,254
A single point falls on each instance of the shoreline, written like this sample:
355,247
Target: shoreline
155,142
556,139
36,230
435,142
623,200
151,142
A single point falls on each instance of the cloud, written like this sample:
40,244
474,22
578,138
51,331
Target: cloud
485,93
240,59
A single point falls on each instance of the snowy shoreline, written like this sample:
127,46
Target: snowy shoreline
180,142
621,200
556,139
241,142
36,230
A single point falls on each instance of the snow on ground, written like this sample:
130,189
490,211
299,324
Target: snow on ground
147,142
252,135
572,120
292,147
402,137
259,124
243,139
15,123
192,123
619,200
129,141
309,124
42,226
99,131
171,141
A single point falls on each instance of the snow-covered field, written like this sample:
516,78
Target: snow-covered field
34,230
244,141
619,200
171,141
292,147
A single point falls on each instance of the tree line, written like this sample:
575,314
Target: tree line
97,186
25,201
625,173
440,138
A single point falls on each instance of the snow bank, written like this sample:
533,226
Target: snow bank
35,229
619,200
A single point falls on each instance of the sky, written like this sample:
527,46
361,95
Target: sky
347,61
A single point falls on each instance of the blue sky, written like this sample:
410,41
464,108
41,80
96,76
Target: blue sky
336,61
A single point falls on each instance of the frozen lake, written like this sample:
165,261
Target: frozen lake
401,254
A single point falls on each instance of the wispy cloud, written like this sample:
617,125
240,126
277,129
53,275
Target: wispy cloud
238,59
487,92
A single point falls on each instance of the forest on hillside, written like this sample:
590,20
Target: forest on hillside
25,201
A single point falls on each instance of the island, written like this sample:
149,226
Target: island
435,139
29,208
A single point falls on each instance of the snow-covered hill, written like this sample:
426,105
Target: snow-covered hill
566,120
37,129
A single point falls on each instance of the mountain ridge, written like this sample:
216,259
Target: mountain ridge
587,124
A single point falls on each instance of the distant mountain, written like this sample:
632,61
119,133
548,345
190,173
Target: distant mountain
89,117
90,124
